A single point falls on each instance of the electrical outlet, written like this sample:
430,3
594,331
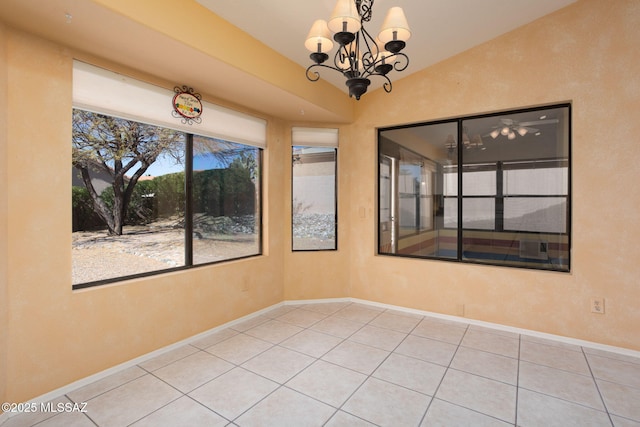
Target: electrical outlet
597,305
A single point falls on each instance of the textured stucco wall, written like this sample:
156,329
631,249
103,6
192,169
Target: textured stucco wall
585,54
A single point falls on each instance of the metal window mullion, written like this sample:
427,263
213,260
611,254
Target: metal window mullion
188,208
499,207
460,173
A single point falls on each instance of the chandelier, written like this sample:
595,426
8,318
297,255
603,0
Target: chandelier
474,143
359,55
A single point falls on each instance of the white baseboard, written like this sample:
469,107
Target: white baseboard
103,374
499,327
122,366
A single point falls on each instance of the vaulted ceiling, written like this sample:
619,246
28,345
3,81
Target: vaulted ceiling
140,35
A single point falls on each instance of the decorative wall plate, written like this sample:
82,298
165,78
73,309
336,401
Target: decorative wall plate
187,105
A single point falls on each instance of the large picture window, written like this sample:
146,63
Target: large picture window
499,189
150,198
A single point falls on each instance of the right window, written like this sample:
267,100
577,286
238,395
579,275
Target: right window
506,175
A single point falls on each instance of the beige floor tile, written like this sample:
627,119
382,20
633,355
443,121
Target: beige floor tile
624,422
549,342
358,313
489,365
359,357
192,371
535,409
67,419
445,414
415,374
336,326
238,349
387,404
427,349
384,339
21,419
279,311
621,399
554,357
233,393
311,343
130,402
278,364
612,355
273,331
327,382
168,357
250,323
561,384
342,419
105,384
286,408
302,318
214,338
480,394
495,331
182,412
447,332
325,307
493,343
396,322
351,364
614,370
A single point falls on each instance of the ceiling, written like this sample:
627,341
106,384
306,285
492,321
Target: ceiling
440,29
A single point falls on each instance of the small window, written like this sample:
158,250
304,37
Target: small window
313,189
505,175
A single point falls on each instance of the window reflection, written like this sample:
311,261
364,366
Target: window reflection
508,178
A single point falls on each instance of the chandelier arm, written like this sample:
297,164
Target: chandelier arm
401,61
370,56
387,85
313,75
345,57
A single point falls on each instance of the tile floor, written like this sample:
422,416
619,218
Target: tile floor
349,364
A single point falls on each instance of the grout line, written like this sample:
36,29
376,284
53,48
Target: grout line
467,329
518,378
446,370
595,382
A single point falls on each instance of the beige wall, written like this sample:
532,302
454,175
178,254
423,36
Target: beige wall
58,336
4,185
585,54
319,274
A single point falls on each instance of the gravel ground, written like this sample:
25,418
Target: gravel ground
160,245
97,256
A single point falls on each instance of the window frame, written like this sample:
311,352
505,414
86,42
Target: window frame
188,219
499,195
335,197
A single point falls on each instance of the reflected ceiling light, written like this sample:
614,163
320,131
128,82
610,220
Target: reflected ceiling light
359,55
509,128
474,143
